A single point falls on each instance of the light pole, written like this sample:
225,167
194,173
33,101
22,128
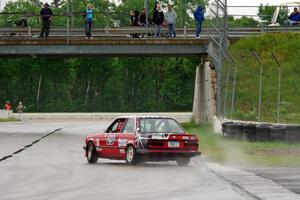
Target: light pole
260,85
146,10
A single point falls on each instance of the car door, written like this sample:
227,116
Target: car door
109,142
126,136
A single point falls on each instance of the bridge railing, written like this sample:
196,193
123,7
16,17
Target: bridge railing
117,24
141,32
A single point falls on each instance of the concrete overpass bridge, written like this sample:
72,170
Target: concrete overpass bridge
117,42
75,46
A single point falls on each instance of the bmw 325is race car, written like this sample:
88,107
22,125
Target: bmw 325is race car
140,139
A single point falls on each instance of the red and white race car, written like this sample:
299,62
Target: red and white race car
139,139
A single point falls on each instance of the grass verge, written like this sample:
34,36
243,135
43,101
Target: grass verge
227,151
10,120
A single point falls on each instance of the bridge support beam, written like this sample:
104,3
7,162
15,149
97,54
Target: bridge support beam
204,102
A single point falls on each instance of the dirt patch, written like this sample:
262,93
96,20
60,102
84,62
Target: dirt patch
274,152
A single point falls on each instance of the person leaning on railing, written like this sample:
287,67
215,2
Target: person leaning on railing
45,17
134,21
294,17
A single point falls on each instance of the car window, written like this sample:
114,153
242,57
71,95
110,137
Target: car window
116,126
159,125
129,126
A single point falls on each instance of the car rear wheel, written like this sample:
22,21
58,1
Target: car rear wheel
91,153
131,156
183,161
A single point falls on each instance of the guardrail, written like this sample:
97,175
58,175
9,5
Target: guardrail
141,32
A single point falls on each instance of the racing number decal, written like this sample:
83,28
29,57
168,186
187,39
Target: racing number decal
110,139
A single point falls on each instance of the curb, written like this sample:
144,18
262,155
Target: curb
180,116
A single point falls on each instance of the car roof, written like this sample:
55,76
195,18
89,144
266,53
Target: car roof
143,116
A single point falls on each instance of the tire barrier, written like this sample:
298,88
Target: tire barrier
224,127
277,133
235,130
292,133
250,131
261,132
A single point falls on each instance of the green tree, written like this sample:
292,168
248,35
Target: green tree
242,22
265,13
20,9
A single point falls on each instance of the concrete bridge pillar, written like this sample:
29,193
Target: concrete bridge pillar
204,101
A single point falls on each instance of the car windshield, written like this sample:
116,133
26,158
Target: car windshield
160,125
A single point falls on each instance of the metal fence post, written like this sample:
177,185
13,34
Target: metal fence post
234,83
29,31
72,13
260,84
68,23
225,45
227,66
106,31
147,22
279,88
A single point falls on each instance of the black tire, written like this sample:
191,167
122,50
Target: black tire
292,133
91,153
263,132
183,161
250,132
278,133
224,127
235,130
131,156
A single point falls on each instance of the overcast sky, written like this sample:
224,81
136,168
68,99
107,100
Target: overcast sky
230,2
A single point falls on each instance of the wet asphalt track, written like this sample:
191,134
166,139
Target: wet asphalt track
55,168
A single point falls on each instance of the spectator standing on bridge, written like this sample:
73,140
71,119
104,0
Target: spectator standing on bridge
88,18
170,17
158,19
45,17
143,17
294,17
155,4
20,109
199,18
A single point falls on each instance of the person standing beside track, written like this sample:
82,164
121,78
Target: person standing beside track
45,17
20,109
7,106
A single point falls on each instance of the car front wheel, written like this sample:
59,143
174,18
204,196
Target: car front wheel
131,156
91,153
183,161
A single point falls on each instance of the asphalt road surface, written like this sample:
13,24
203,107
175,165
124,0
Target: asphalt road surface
54,167
287,177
